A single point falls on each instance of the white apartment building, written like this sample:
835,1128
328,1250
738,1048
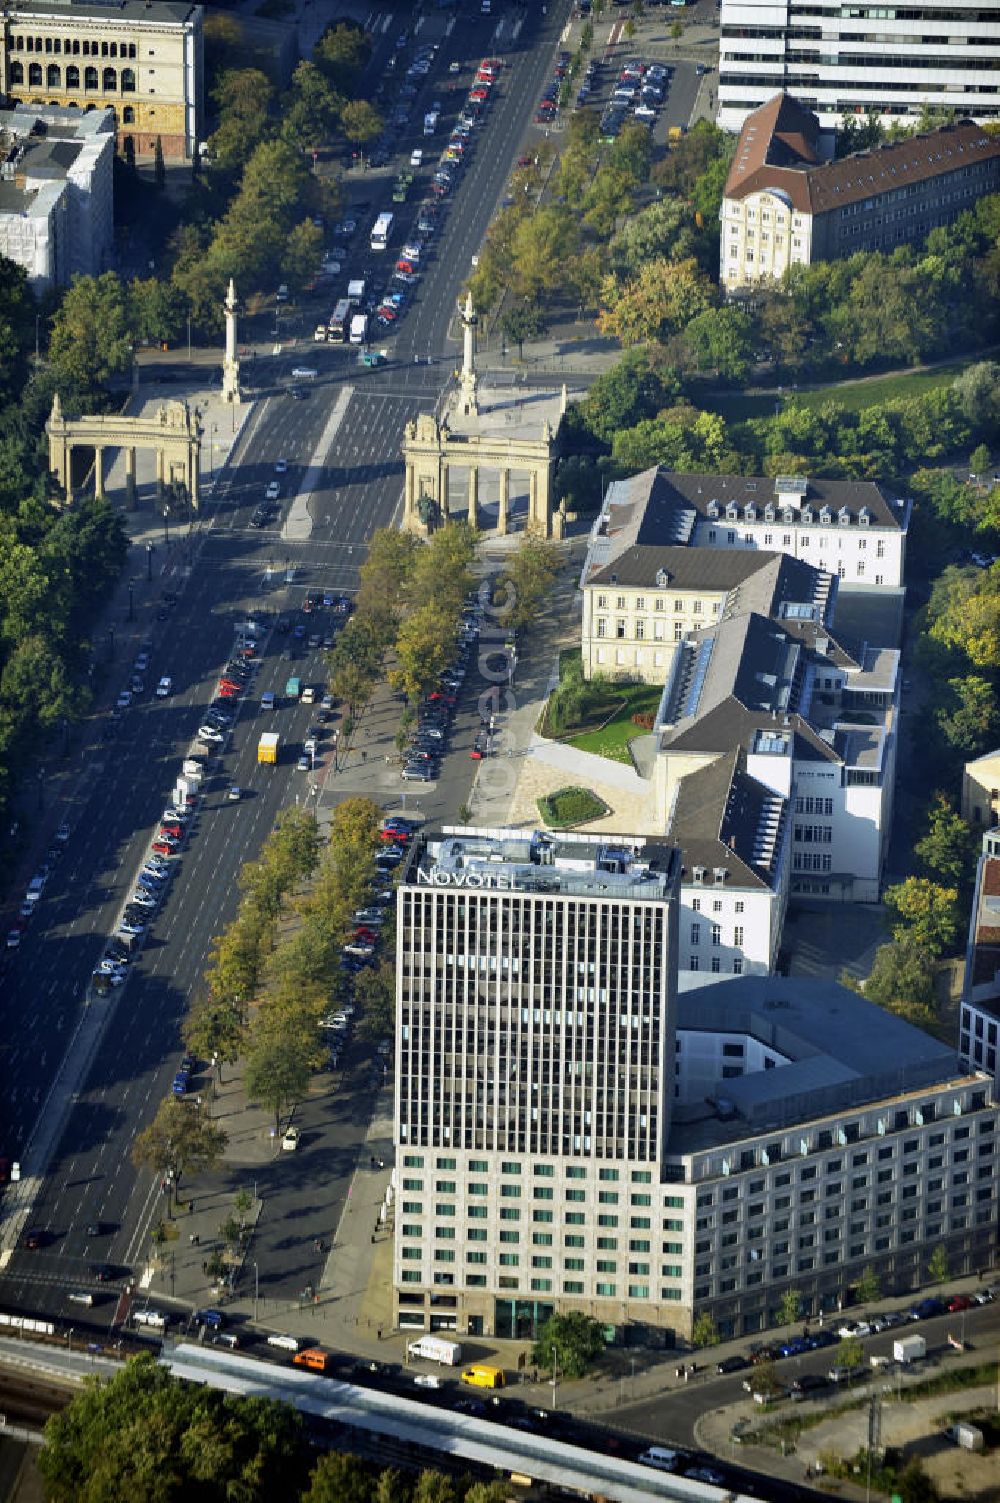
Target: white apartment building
734,834
784,206
536,1000
850,60
850,529
56,192
643,591
819,727
815,1136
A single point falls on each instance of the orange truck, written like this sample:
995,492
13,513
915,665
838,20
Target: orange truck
315,1358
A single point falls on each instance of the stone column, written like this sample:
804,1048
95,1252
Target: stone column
443,490
98,472
409,500
194,469
130,494
542,494
473,517
532,500
66,469
504,502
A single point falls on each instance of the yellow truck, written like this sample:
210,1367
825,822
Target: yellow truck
482,1376
267,748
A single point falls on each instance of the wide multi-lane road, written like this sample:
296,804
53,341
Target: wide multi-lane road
341,442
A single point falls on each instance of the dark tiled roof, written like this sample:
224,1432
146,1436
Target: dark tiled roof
731,723
777,150
700,491
719,820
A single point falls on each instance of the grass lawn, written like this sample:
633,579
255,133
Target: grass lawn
571,806
612,740
738,406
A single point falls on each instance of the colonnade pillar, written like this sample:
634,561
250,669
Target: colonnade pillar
130,492
504,502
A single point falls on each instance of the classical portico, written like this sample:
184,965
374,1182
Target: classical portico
174,432
502,432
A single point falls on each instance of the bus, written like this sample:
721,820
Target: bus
381,230
340,321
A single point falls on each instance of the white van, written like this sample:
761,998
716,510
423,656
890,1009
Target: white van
153,1318
662,1458
80,1297
304,373
286,1343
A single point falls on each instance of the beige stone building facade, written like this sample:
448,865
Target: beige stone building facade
785,206
142,60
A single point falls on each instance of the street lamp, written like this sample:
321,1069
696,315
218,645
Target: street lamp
166,533
256,1291
555,1373
149,563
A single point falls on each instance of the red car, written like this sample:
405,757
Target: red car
223,692
171,833
959,1302
164,847
365,936
479,96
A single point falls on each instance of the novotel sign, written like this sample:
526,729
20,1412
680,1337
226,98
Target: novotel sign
437,877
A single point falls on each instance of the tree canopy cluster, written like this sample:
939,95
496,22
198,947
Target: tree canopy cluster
56,565
275,970
148,1436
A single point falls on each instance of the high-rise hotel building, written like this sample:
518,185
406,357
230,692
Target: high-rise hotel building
535,1023
573,1134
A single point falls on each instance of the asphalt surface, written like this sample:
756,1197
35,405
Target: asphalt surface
127,780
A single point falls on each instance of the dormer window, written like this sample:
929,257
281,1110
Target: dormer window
732,511
864,517
713,508
661,579
826,516
844,517
788,516
769,514
807,514
749,512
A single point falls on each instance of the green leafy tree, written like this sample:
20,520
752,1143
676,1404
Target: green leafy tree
423,650
721,339
91,338
144,1434
937,1265
704,1331
181,1139
914,1485
979,460
277,1070
243,98
339,1478
970,719
302,254
928,911
360,122
850,1354
868,1287
215,1028
434,1487
375,989
573,1340
902,979
522,321
791,1307
311,113
621,397
661,300
155,310
950,847
526,582
343,52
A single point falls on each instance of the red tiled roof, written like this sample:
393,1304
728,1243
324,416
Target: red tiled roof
777,151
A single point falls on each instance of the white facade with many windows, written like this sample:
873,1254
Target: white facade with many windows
846,61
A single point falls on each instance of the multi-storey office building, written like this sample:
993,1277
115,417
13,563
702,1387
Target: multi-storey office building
140,58
572,1136
849,60
815,1136
535,1027
783,206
